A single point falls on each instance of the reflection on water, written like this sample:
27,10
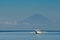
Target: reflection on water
26,36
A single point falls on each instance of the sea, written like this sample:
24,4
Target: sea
27,36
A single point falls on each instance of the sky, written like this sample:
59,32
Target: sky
26,8
12,10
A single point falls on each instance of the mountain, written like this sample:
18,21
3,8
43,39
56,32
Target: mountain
32,22
35,21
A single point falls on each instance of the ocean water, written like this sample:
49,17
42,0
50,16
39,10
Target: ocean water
26,36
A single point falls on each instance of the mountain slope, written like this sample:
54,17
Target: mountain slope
35,21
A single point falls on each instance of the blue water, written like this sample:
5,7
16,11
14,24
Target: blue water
26,36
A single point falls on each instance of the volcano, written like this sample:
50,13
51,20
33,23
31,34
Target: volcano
35,21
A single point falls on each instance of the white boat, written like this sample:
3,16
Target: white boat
37,31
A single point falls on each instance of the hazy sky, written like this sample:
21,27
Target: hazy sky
25,8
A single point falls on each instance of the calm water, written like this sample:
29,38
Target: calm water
26,36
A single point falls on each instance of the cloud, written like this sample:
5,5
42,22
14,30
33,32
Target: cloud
8,22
